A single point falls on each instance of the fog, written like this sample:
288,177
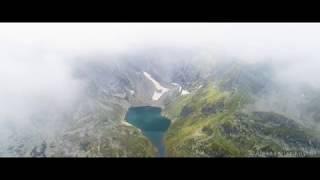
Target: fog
35,58
33,80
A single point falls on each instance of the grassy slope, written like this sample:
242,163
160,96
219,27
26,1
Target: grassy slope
208,122
130,143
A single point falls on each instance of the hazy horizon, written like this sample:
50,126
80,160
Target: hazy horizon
37,60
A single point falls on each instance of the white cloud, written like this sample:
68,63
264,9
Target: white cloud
34,56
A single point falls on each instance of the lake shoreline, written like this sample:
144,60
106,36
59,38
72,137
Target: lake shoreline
152,124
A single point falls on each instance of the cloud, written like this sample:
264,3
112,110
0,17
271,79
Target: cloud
35,58
32,79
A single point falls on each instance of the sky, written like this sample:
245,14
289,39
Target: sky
34,57
241,38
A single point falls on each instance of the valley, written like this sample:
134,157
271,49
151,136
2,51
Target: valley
180,111
149,120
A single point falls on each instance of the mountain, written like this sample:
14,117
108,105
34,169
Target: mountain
210,122
227,108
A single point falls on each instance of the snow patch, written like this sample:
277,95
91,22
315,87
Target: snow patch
185,92
126,123
176,84
160,90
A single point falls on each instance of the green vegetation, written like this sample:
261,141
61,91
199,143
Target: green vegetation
209,122
130,143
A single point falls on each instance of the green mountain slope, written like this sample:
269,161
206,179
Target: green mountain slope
210,122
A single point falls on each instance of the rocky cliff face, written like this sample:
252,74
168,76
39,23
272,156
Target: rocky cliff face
96,125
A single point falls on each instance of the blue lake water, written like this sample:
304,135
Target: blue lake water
151,123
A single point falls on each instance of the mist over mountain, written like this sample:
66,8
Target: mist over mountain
66,88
